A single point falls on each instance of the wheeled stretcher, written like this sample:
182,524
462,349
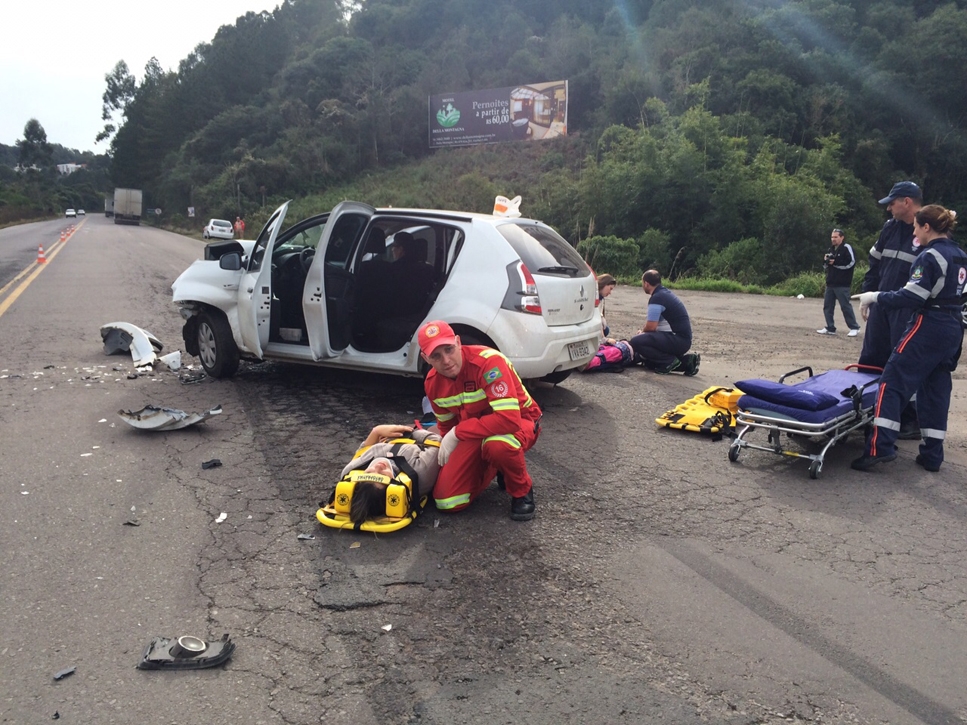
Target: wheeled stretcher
823,409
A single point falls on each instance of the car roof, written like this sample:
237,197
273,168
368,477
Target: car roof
220,221
455,215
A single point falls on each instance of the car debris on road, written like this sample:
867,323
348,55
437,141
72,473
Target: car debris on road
151,417
185,653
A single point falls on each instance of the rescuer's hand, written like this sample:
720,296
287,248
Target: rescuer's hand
866,299
447,445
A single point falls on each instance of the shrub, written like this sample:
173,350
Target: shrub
618,257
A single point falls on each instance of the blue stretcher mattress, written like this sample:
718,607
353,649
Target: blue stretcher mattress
816,399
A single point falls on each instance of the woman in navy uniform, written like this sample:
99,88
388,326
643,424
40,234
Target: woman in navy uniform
930,347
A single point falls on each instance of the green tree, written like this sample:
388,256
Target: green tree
118,94
33,150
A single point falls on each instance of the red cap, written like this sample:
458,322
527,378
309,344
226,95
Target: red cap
436,333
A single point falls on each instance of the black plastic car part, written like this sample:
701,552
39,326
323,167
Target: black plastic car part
185,653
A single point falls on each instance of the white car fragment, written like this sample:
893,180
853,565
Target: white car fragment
151,417
123,336
172,360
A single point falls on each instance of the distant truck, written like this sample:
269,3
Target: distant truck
108,206
127,206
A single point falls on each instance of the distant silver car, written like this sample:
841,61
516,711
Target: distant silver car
70,213
81,212
218,229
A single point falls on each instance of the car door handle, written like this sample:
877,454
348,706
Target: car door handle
251,289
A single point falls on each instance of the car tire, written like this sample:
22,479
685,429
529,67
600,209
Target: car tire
216,346
205,234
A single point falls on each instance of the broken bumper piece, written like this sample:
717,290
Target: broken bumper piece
151,417
185,653
125,337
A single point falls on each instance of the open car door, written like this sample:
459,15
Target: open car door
330,285
255,286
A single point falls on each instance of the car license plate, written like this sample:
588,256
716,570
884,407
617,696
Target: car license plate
578,350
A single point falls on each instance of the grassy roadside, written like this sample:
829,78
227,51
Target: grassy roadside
807,284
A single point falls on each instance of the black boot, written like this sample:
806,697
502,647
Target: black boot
522,508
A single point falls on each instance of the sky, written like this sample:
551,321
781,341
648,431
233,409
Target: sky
54,55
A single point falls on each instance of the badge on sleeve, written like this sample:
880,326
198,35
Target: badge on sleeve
492,375
917,273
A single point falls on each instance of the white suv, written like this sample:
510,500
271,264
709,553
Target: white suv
330,291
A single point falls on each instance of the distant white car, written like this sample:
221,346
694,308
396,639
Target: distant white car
218,229
81,212
70,213
325,291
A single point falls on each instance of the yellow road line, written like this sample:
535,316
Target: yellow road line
54,251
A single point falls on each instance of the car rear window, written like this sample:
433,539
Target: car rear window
543,250
220,223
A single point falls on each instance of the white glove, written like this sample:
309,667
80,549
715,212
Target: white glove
447,445
866,299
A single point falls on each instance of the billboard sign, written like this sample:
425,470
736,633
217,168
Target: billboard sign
530,112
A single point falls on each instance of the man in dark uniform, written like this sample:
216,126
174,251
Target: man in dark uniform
890,260
929,348
665,338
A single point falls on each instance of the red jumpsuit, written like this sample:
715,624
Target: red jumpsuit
496,421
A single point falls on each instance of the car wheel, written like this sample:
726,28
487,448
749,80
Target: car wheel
216,346
205,234
557,377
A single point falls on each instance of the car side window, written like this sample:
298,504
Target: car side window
343,239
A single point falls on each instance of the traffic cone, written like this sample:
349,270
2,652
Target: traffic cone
41,259
63,236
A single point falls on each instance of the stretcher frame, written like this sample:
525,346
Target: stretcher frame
833,430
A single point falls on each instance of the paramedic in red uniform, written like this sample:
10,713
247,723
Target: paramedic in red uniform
487,419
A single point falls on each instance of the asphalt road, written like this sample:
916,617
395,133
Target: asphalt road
659,583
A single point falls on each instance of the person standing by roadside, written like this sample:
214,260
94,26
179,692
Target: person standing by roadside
929,348
239,228
840,263
890,260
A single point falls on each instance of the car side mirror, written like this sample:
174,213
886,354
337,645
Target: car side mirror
231,261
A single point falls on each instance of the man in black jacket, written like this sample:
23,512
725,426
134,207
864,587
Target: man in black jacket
840,263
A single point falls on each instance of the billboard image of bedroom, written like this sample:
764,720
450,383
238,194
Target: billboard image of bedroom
532,112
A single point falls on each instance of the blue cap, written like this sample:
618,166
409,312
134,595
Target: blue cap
903,188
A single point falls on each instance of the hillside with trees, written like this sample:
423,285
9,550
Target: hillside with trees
709,137
31,186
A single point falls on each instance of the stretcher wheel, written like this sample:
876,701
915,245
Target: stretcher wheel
774,438
734,452
815,468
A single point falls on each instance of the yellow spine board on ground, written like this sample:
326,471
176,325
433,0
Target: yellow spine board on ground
336,517
711,411
328,516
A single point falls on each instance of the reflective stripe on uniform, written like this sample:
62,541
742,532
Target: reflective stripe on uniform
452,502
933,433
455,401
443,417
942,280
902,256
509,439
887,423
917,290
505,404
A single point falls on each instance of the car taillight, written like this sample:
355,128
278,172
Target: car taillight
530,302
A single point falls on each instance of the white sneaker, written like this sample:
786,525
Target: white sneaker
852,333
824,331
